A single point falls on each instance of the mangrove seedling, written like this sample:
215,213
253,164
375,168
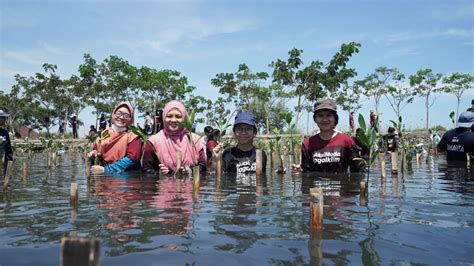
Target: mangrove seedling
368,138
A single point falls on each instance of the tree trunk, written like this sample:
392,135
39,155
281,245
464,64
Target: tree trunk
427,111
457,111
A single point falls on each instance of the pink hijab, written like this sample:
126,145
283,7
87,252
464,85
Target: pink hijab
167,143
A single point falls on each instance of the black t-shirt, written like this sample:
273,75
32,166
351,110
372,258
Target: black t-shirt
239,161
457,142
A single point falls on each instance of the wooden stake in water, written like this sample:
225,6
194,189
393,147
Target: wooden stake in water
74,194
382,164
8,172
394,162
316,208
25,172
195,170
258,164
402,160
468,160
219,165
76,251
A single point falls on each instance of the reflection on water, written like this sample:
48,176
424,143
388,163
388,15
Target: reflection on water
423,216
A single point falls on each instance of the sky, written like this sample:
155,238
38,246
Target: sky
203,38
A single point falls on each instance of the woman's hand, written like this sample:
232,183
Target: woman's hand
92,153
295,167
163,169
97,169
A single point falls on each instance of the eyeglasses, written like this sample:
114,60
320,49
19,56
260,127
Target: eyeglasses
125,116
241,130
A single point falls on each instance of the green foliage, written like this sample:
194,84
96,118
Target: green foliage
368,138
315,81
424,84
140,132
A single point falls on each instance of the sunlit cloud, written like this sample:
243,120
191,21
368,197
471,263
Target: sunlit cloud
25,58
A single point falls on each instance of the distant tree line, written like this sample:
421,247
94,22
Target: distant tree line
45,99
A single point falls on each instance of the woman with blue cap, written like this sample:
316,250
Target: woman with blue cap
242,158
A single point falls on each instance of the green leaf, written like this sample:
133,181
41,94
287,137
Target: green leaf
362,124
363,139
372,159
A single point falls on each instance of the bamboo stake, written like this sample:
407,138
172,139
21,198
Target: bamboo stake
74,194
394,162
315,247
258,164
316,208
402,161
25,172
219,165
6,178
195,171
363,193
80,251
382,164
468,160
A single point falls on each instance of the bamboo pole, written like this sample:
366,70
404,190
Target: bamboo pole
77,251
258,162
468,159
394,155
25,172
74,194
316,208
402,161
6,178
219,165
382,164
195,171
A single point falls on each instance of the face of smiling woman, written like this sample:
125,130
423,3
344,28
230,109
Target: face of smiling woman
122,117
325,120
174,120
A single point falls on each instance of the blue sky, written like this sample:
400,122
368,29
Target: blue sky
203,38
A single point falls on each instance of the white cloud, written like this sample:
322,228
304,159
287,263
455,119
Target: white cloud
25,58
412,36
189,31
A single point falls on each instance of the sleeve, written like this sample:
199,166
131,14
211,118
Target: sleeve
305,157
134,150
119,166
150,161
442,145
227,165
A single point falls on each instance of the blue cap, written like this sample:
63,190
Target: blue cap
244,118
466,119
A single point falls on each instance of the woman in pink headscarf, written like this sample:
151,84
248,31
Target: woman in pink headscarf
161,150
118,148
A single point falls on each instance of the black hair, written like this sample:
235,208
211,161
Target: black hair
391,130
336,116
208,129
214,134
254,127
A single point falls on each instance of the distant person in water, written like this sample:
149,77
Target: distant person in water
329,150
241,159
373,120
6,149
161,150
211,142
391,140
351,122
117,147
459,142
